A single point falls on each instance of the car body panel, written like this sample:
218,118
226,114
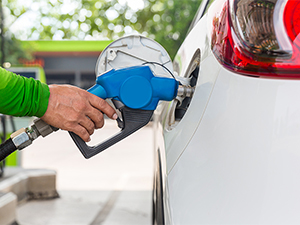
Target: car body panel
242,165
234,156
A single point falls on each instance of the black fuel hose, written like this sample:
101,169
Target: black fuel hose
6,148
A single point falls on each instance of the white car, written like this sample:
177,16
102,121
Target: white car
231,153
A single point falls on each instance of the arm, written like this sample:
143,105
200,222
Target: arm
15,94
20,96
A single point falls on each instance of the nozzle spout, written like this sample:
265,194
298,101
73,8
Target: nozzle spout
185,91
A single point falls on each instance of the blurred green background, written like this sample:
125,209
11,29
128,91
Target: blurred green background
166,21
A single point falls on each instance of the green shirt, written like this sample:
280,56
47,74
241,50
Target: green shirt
21,96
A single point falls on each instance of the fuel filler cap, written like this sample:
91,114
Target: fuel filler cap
135,50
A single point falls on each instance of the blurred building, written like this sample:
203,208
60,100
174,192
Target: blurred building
67,62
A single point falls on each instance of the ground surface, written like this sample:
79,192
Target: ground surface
113,187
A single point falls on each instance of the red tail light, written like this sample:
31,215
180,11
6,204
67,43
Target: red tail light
292,20
259,38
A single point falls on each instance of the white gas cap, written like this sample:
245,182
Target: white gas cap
135,50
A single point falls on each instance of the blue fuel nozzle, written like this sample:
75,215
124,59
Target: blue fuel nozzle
136,87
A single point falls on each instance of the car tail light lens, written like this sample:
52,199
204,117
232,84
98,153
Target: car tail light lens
292,20
259,38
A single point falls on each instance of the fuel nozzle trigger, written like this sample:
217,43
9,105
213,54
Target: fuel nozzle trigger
135,92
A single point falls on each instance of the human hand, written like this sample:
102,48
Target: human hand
73,109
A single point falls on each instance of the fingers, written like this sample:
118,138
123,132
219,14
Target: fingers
81,132
97,117
88,125
103,106
85,125
90,118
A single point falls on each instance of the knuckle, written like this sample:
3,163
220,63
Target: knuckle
68,125
102,103
73,117
97,119
91,125
82,106
91,132
101,124
91,128
82,132
101,117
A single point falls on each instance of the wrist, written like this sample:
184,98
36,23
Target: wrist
44,100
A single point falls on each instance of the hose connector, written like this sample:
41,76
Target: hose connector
21,139
25,136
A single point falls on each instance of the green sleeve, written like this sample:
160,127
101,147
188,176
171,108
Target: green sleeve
21,96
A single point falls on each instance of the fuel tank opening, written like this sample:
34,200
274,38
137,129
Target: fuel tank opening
180,105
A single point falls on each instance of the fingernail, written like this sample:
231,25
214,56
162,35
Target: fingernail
115,116
89,139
